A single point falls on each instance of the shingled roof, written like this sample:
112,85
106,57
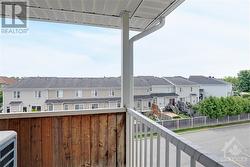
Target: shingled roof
178,80
59,82
7,80
206,80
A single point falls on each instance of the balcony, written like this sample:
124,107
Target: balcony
101,137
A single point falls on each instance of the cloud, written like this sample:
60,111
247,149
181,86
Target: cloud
208,37
41,61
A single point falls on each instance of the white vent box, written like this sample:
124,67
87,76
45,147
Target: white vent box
8,149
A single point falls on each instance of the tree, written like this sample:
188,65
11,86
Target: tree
244,81
1,98
234,81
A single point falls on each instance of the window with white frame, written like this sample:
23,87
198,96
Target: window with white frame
79,93
59,93
94,93
16,94
112,92
50,107
191,89
180,89
94,106
118,104
38,94
79,106
66,107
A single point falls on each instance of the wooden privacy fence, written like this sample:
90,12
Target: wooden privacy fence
69,140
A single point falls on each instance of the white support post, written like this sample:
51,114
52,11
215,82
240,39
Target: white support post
127,84
127,64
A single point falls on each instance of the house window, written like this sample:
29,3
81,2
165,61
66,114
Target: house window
66,107
16,94
191,89
155,100
79,107
36,108
79,93
180,89
94,93
8,109
138,104
94,106
149,104
59,93
50,107
38,94
118,104
112,92
182,99
24,109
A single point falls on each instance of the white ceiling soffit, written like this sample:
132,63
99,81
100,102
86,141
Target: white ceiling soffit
102,13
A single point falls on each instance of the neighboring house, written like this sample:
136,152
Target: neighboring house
53,94
6,81
187,91
210,86
3,82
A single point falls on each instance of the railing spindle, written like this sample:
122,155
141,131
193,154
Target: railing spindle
133,141
192,162
166,152
158,150
136,144
151,147
178,156
145,144
141,137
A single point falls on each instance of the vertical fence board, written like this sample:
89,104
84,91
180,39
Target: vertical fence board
57,141
76,140
103,145
112,139
4,123
14,125
47,149
85,149
66,139
25,143
94,140
35,140
121,152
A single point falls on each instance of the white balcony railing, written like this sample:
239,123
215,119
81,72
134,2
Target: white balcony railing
150,144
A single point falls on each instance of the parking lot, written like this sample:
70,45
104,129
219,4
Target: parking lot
231,142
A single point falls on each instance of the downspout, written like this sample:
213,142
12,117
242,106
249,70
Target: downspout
148,31
131,48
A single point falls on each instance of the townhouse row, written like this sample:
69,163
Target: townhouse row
56,94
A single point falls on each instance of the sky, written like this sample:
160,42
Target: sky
201,37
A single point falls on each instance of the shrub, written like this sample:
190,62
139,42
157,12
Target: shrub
215,107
